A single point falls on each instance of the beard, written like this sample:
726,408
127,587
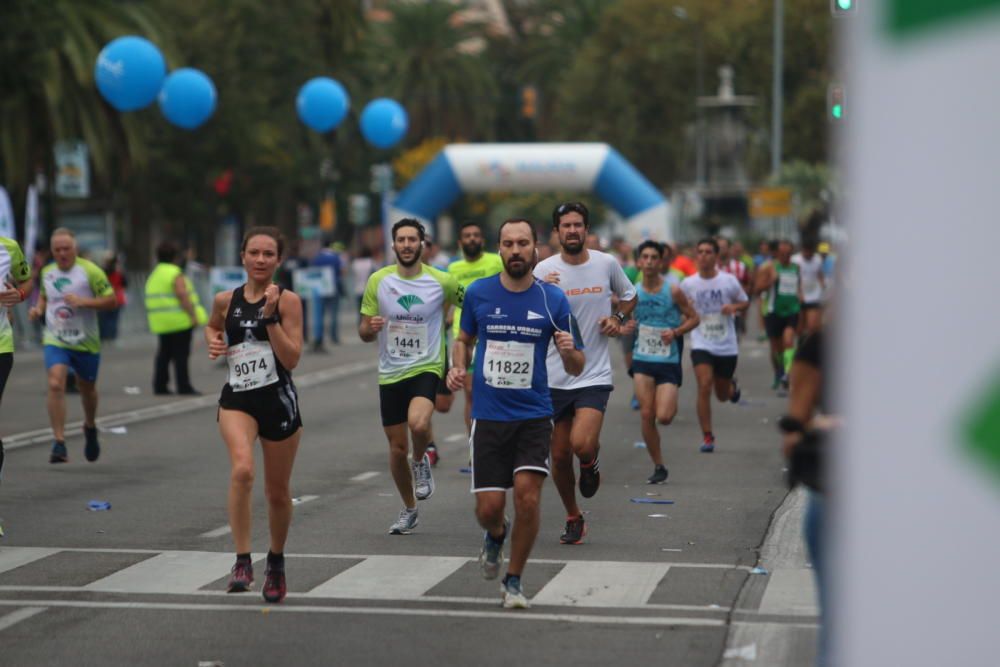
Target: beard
472,249
517,266
402,262
572,246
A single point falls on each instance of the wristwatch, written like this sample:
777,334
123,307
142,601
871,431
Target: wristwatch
273,319
621,317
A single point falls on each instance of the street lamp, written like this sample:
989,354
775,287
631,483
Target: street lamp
682,14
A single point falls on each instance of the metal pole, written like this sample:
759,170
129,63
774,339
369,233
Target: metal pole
699,113
777,94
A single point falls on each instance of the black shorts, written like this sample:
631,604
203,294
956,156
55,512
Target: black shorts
500,450
565,402
275,408
775,325
811,305
6,363
442,383
723,367
668,373
394,399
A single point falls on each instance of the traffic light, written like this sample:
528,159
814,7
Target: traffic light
529,102
842,8
836,102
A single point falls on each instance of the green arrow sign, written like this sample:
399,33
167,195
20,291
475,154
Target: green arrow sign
982,428
908,16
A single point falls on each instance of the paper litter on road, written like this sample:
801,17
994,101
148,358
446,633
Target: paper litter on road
117,430
657,516
651,501
132,391
758,570
211,663
667,549
742,653
639,444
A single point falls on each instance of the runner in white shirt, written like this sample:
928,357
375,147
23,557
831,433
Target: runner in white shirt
813,287
717,298
588,278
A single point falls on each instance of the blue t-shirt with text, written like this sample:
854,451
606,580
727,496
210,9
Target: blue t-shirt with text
491,312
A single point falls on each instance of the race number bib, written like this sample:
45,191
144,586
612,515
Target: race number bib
788,284
714,326
406,340
66,326
508,364
251,365
651,344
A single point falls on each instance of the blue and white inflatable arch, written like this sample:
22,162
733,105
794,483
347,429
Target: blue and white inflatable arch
595,167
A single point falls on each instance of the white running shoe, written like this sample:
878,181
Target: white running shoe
512,595
423,478
406,522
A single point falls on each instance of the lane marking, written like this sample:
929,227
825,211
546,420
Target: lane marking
603,584
389,578
177,571
302,500
455,437
377,611
218,532
12,557
41,435
15,617
365,476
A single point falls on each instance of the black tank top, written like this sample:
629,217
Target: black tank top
243,325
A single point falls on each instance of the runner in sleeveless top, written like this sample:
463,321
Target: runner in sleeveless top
513,318
813,286
662,317
588,278
403,309
258,328
717,298
781,281
16,276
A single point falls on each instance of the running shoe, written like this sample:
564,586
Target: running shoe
241,577
659,475
634,402
737,393
576,528
59,454
432,455
590,478
424,479
512,595
707,445
491,555
92,449
776,383
406,522
275,588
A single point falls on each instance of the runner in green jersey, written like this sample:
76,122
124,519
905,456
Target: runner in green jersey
476,264
780,280
16,276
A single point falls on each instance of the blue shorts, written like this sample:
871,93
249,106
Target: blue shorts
84,364
662,373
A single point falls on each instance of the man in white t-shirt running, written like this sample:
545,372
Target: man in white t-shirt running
588,278
813,286
717,298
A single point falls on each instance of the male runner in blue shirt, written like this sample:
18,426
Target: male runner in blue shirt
511,318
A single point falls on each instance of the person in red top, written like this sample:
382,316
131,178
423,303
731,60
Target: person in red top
107,320
683,263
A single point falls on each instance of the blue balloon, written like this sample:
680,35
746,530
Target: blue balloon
322,103
129,72
384,122
188,98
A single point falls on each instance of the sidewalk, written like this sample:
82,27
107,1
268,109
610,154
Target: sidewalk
125,380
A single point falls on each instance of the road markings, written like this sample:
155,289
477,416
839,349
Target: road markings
365,476
218,532
171,571
15,617
12,557
603,584
455,437
390,578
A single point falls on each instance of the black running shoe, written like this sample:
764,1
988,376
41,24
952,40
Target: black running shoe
576,529
241,577
590,478
59,454
92,450
735,398
659,475
275,588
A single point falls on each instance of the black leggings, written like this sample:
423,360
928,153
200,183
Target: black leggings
6,363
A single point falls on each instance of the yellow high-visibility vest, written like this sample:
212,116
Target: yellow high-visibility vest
163,308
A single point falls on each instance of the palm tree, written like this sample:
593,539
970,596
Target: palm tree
424,58
47,53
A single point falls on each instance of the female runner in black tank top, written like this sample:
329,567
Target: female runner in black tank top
265,339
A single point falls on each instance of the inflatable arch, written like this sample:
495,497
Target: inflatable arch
538,167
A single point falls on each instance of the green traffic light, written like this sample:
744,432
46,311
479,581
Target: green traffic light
837,111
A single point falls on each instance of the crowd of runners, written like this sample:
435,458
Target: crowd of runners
529,351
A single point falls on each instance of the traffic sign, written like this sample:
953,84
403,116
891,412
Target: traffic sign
770,202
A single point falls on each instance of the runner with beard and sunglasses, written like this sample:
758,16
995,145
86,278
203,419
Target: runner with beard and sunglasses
588,278
403,308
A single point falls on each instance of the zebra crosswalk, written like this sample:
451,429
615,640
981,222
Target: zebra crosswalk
595,585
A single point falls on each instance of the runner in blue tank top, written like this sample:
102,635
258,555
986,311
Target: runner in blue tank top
662,317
